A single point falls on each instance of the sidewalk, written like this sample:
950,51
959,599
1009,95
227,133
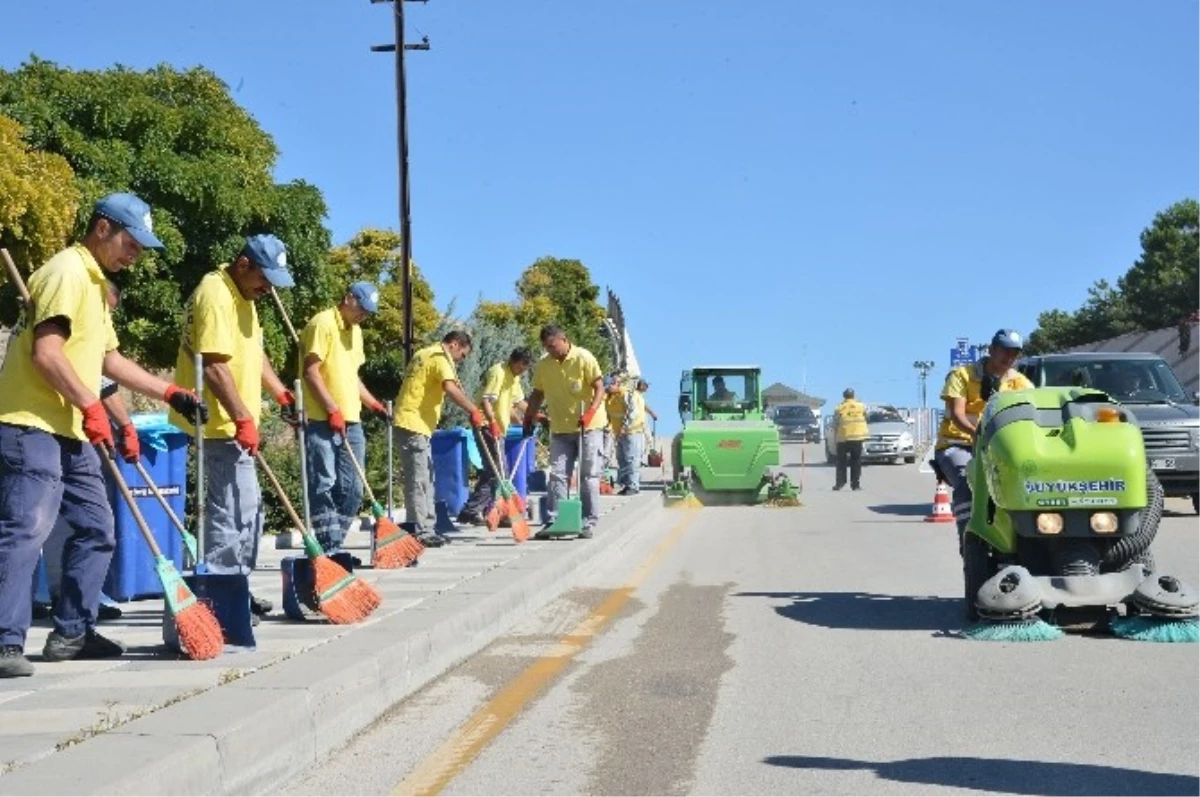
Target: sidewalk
153,722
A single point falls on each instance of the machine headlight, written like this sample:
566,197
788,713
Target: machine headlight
906,439
1104,522
1049,523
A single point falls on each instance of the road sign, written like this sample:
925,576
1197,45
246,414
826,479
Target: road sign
963,354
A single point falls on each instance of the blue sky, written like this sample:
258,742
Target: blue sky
862,182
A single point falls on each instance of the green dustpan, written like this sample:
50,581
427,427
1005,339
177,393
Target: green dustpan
569,520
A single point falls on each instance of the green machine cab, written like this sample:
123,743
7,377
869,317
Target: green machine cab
728,445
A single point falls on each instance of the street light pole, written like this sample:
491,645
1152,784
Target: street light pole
399,49
923,368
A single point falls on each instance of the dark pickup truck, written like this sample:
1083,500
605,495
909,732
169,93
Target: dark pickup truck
1146,385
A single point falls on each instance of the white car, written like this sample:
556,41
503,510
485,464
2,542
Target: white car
891,438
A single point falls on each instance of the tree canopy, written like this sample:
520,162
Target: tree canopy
38,199
1161,289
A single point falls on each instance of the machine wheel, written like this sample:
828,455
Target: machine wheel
977,569
1196,503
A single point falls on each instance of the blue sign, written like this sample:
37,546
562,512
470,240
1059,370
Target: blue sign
963,355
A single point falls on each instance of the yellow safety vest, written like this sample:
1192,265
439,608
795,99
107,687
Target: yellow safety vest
850,418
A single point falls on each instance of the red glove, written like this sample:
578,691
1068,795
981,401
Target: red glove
477,420
246,435
96,425
337,422
586,418
285,399
379,409
496,433
186,403
131,447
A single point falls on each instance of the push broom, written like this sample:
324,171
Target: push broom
341,596
394,547
196,625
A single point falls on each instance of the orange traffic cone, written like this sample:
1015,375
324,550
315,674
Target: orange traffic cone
941,506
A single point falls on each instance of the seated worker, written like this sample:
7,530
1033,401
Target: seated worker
966,392
720,393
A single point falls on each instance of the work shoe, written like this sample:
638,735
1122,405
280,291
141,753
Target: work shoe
108,612
838,486
260,606
470,519
856,487
431,539
13,663
85,646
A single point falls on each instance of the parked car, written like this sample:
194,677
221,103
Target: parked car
891,439
797,422
1146,385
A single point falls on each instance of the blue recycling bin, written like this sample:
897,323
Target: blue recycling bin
512,449
451,475
132,574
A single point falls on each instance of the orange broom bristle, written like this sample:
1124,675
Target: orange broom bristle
200,632
495,514
342,597
520,528
391,549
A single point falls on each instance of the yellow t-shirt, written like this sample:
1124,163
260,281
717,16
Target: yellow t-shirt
966,381
850,418
70,285
503,388
565,385
221,321
626,411
419,402
340,349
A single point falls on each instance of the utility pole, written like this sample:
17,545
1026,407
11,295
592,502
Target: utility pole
923,368
402,145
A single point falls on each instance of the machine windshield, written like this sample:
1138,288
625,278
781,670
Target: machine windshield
732,389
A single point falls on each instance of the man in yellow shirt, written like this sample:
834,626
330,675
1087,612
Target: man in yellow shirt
626,407
570,381
428,380
222,325
332,348
49,414
966,393
850,425
500,392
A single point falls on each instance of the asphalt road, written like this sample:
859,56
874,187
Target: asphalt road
791,651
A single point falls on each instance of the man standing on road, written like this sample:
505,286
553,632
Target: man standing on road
331,347
627,414
570,380
966,393
850,424
428,380
500,392
51,420
222,325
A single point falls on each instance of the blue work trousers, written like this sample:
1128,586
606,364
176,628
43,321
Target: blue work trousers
335,492
43,477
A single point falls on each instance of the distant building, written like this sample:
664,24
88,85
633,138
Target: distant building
780,395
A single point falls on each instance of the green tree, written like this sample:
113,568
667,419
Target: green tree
1163,286
554,291
178,140
38,200
374,255
491,342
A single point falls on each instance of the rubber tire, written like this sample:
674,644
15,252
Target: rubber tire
909,460
1196,503
977,569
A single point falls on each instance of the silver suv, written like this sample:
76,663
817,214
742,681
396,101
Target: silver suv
891,437
1143,382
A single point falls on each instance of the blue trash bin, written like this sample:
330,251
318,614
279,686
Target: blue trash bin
512,449
132,574
450,472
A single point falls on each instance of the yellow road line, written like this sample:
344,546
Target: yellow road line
447,762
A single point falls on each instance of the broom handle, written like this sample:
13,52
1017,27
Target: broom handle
15,276
303,454
141,469
390,472
488,453
201,486
358,468
107,454
287,505
286,321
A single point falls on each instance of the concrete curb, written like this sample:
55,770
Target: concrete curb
250,735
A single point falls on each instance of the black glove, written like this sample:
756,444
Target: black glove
186,403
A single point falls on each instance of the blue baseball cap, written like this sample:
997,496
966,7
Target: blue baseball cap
269,254
367,296
131,213
1008,339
